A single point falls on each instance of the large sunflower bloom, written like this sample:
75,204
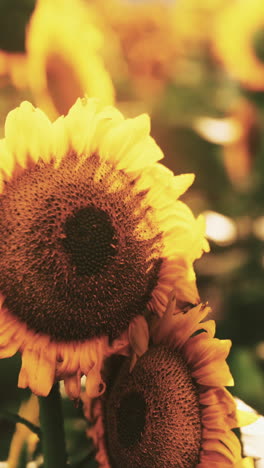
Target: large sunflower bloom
238,31
91,234
172,409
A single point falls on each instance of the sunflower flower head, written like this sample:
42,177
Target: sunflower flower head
147,40
240,27
54,51
172,409
193,21
91,235
64,60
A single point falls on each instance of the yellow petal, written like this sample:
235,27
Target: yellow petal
175,186
73,386
28,134
38,368
6,159
81,122
59,140
95,386
119,143
145,152
201,350
244,418
138,335
245,463
219,447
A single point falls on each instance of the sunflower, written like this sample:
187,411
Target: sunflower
91,235
57,53
172,409
240,28
193,21
64,61
147,42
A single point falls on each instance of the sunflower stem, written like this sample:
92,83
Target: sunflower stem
19,419
52,429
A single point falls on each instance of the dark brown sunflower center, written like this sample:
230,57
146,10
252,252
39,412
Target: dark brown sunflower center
79,250
89,240
152,415
131,418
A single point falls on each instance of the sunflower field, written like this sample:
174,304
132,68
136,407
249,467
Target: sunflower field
131,233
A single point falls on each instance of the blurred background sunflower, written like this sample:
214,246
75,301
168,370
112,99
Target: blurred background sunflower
197,66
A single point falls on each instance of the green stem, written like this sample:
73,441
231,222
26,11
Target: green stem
19,419
52,430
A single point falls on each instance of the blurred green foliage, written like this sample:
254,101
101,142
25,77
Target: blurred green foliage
14,17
